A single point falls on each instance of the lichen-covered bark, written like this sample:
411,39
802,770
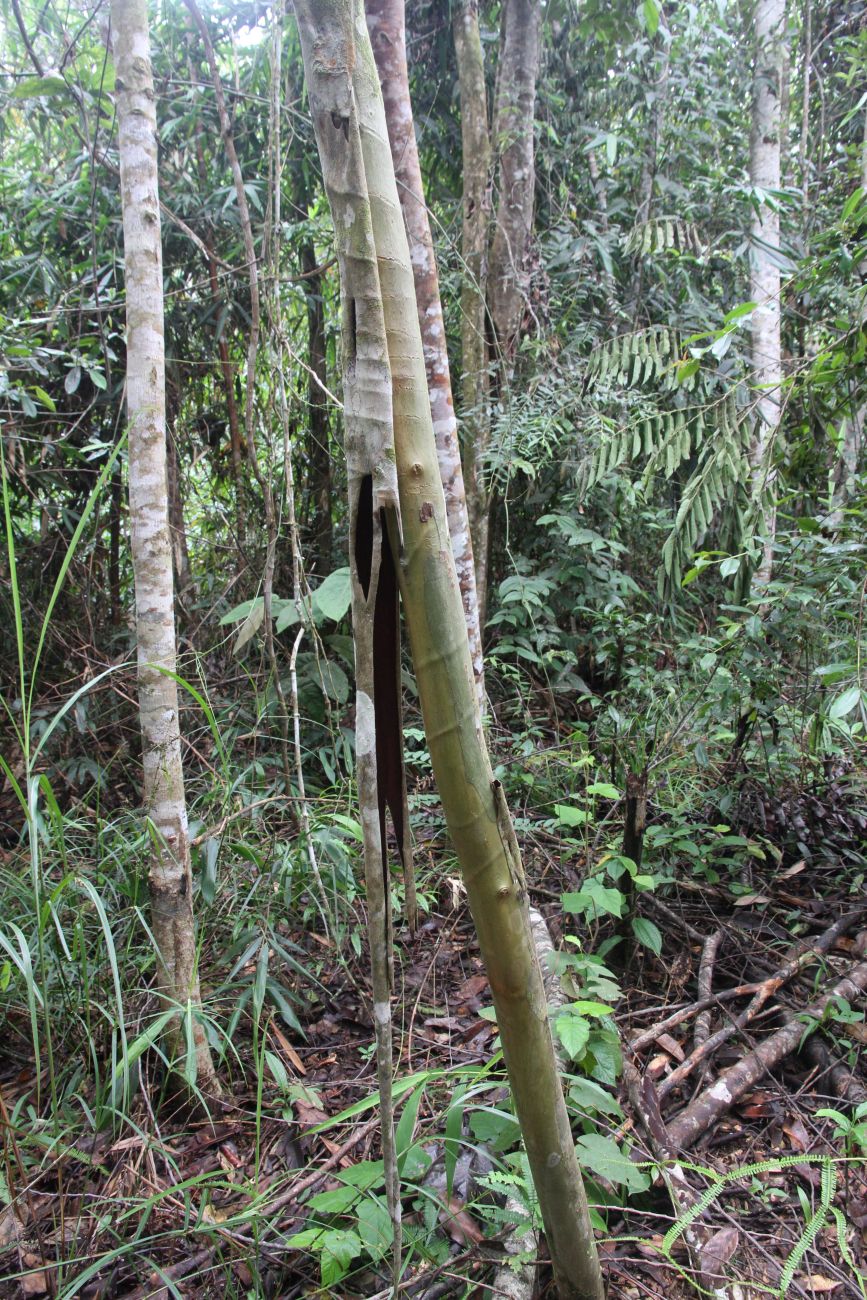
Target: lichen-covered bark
170,878
514,114
475,383
473,801
386,25
769,21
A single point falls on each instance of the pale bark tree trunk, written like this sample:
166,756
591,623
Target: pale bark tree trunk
514,117
386,22
475,378
769,21
379,292
170,877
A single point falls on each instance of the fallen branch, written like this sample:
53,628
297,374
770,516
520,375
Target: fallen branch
645,1107
766,989
709,1105
701,1033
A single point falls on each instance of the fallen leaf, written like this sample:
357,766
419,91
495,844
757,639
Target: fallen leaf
460,1226
11,1227
818,1282
671,1045
657,1065
747,900
472,988
288,1050
717,1251
792,871
34,1282
797,1134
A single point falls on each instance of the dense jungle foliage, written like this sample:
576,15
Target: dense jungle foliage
674,651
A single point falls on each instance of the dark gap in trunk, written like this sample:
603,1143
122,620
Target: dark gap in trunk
386,694
364,534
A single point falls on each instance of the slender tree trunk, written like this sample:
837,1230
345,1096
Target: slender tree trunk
386,22
514,118
379,291
170,877
475,379
769,21
318,450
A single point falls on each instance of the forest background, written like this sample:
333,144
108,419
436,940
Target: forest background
649,229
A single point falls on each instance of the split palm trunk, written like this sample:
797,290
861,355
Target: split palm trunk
171,886
386,23
769,27
377,286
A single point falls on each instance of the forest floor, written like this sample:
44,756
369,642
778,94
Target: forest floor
770,1197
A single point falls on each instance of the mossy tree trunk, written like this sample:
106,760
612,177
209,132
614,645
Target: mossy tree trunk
378,287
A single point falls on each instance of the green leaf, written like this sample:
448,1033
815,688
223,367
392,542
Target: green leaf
240,611
729,566
278,1070
332,598
35,87
287,617
334,682
737,313
339,1249
337,1201
845,703
604,789
406,1126
250,626
686,370
647,934
852,204
611,142
570,816
651,17
574,1033
45,398
601,899
374,1226
604,1157
586,1095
